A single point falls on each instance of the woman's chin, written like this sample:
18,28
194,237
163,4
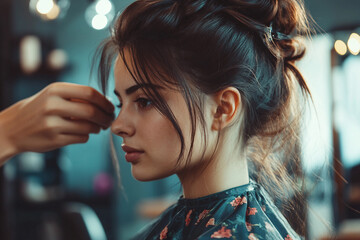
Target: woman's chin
145,176
142,176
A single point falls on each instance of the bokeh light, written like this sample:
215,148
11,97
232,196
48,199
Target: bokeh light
99,22
340,47
99,14
54,12
103,7
354,44
44,6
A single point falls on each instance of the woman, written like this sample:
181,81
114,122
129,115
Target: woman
206,89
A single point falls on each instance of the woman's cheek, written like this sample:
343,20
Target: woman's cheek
161,134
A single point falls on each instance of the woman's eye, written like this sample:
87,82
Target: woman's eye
143,102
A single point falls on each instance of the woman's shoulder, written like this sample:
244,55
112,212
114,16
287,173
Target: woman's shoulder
252,215
244,212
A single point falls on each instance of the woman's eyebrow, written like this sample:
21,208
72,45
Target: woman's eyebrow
136,87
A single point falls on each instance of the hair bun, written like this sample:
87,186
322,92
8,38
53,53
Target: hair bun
262,11
290,17
286,15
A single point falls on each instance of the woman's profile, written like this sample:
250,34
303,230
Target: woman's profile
209,91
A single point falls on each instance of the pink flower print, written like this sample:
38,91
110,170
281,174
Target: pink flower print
288,237
252,237
251,211
163,234
202,215
188,219
238,201
211,222
248,226
222,233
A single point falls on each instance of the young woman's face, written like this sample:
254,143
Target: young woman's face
151,143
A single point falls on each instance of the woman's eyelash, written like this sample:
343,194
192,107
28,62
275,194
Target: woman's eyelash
143,102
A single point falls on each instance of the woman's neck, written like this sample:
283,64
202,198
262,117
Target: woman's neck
221,173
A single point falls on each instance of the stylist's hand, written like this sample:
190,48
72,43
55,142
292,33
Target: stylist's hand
59,115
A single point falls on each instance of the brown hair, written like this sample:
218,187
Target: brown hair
203,46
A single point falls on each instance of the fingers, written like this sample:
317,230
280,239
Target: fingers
73,131
67,139
62,132
79,127
75,91
79,111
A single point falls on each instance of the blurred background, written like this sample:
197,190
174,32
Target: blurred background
75,193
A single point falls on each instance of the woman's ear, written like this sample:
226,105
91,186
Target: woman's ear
228,104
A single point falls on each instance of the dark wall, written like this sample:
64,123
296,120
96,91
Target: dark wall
5,42
5,34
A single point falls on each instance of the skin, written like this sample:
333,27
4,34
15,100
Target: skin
59,115
144,128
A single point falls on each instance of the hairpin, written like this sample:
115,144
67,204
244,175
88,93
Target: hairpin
271,34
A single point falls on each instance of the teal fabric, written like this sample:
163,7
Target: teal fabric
244,212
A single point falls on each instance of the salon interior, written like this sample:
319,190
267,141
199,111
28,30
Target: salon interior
77,192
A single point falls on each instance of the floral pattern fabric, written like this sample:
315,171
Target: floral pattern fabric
244,212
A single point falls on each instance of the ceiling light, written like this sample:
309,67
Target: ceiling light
44,6
49,9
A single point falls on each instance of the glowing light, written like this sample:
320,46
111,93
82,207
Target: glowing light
354,44
44,6
103,7
54,12
30,54
99,22
340,47
57,59
99,14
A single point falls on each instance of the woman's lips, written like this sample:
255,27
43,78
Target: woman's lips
131,154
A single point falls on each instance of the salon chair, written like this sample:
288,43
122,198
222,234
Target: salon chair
80,222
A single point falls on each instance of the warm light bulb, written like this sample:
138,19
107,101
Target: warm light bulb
340,47
44,6
54,12
103,7
354,44
99,22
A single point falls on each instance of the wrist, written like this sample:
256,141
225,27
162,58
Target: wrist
8,148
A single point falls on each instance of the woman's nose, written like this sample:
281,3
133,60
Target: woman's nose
122,125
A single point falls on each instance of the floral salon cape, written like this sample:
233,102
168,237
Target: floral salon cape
244,212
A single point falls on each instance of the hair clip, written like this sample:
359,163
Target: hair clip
271,34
